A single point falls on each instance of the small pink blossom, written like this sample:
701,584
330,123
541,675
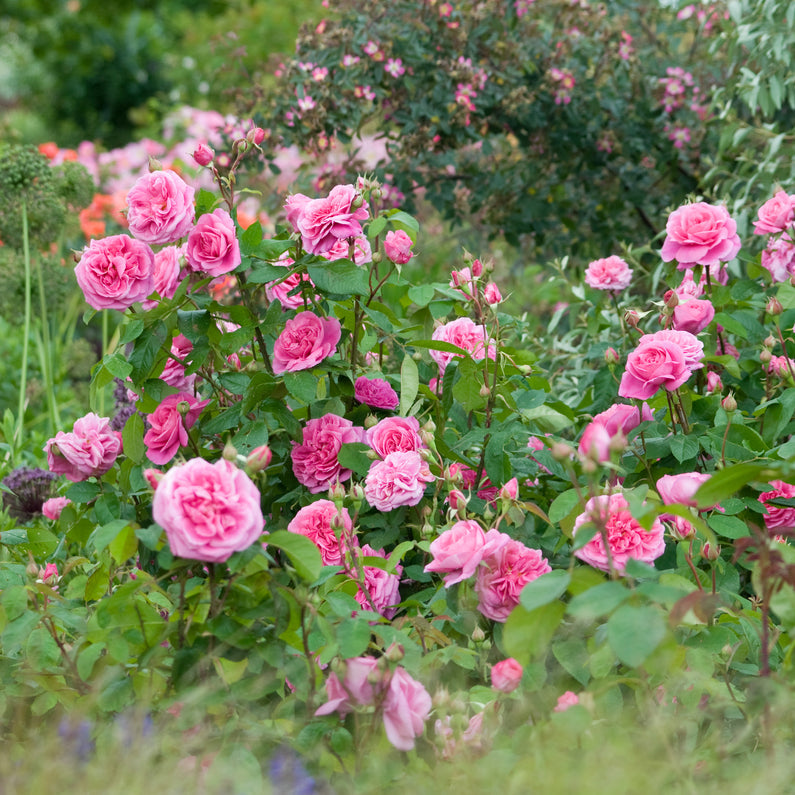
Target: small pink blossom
693,315
376,392
700,234
466,334
399,479
305,341
395,435
397,247
53,507
457,552
169,426
406,708
778,517
394,67
160,208
612,274
380,586
506,675
322,222
363,681
776,214
315,522
779,258
213,247
168,267
315,463
89,450
567,700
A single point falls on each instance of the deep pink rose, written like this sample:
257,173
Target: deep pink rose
89,450
380,587
693,315
315,522
322,222
466,334
506,675
280,290
208,510
397,480
700,234
779,258
168,265
203,154
610,273
406,708
375,392
626,537
397,247
53,507
778,516
305,341
364,680
503,575
116,272
315,461
457,552
160,208
492,294
775,215
213,247
395,435
681,488
169,426
651,365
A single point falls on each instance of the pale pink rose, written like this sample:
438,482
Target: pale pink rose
595,442
376,392
397,247
362,252
506,675
315,461
294,206
169,426
681,488
503,575
280,290
692,347
775,215
213,247
626,537
160,208
399,479
168,264
53,507
380,587
623,417
689,287
568,699
457,552
693,315
365,679
611,274
314,522
466,334
322,222
652,365
406,708
116,272
778,516
700,234
395,435
208,510
779,258
305,341
89,450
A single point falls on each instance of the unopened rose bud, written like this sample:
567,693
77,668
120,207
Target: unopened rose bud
426,454
395,653
154,164
631,318
336,494
230,452
440,698
259,458
337,524
765,357
477,268
682,529
510,491
492,294
256,135
375,194
429,426
183,407
484,391
357,496
611,357
153,477
714,383
618,443
478,635
769,342
203,155
774,306
525,369
729,404
372,455
357,202
560,451
709,552
671,299
377,257
370,421
589,466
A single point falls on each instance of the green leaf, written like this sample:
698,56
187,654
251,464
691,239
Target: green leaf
303,554
205,202
116,696
598,601
133,438
149,536
193,324
544,589
684,448
262,273
124,545
634,633
726,482
82,492
422,294
527,632
728,526
466,389
301,385
353,456
340,277
408,223
103,535
409,384
563,505
353,637
117,366
41,650
87,659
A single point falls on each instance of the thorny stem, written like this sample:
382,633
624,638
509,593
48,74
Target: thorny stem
263,348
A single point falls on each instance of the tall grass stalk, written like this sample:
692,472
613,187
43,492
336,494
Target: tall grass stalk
23,380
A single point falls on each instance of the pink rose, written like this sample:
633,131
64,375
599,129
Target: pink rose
160,208
397,247
322,222
280,290
208,510
700,234
305,341
364,680
203,154
294,207
212,244
315,522
595,442
53,507
168,265
492,294
779,258
380,587
395,435
116,272
651,366
376,393
506,675
362,252
693,315
397,480
406,708
169,425
623,417
692,347
457,552
778,516
174,369
504,574
714,383
612,274
568,699
89,450
681,488
315,461
464,333
626,537
775,215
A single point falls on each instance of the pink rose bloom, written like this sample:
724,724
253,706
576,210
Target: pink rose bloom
504,574
363,682
305,341
700,234
294,207
611,273
467,475
681,488
169,426
492,294
89,450
693,315
362,252
395,435
208,510
595,442
651,366
506,675
778,516
314,522
174,369
779,258
53,507
116,272
160,208
397,480
714,383
775,215
406,708
626,537
322,222
568,699
689,287
692,347
168,265
397,247
213,247
457,552
466,334
380,587
280,290
623,417
315,461
376,393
